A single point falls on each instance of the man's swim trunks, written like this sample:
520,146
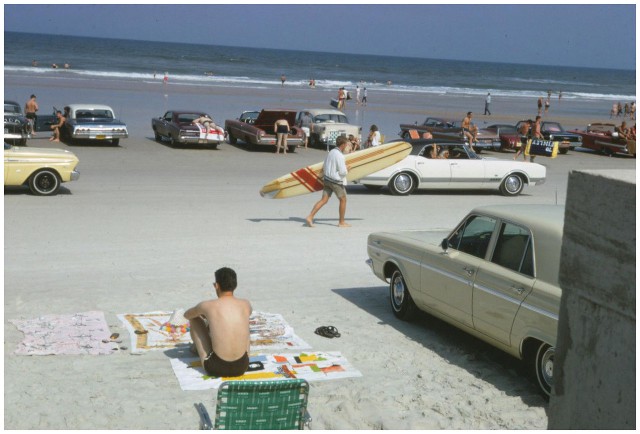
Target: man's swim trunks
282,129
217,367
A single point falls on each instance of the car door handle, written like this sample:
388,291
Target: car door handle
517,289
470,271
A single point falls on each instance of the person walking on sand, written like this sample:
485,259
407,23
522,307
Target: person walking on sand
30,109
357,95
56,128
341,98
335,179
539,105
466,129
220,328
282,131
364,97
283,78
487,103
536,133
547,103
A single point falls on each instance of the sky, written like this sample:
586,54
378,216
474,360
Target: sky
569,35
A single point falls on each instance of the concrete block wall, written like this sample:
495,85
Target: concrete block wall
595,360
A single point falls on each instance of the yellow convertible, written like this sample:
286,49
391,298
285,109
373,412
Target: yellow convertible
42,169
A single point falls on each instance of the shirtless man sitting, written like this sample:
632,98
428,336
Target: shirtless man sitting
56,127
220,328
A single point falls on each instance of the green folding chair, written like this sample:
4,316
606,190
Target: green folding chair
253,405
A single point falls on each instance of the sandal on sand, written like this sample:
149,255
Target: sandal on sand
328,332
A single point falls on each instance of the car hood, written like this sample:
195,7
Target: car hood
430,237
40,153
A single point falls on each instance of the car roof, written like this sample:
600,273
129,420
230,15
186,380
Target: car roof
546,223
6,101
317,111
89,107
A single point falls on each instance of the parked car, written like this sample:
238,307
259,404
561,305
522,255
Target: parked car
86,122
259,131
449,129
553,131
462,169
17,128
603,138
42,169
326,125
509,137
494,276
177,126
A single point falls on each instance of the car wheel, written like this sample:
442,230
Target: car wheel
232,138
172,140
401,302
512,185
157,136
543,367
44,183
402,184
115,142
291,149
607,152
563,151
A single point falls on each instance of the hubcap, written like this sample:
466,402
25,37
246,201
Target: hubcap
398,292
45,182
403,183
513,184
546,365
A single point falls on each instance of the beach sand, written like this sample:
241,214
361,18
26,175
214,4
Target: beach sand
146,225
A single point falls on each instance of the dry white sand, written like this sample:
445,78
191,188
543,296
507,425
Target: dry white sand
146,226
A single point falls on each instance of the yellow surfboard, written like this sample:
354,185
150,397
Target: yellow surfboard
361,163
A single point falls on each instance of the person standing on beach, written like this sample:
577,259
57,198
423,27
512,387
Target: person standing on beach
56,128
536,133
220,328
374,136
539,105
357,95
30,109
487,103
283,78
547,103
165,80
364,96
281,128
335,180
466,129
341,98
524,131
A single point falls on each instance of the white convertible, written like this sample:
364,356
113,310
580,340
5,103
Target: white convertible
437,164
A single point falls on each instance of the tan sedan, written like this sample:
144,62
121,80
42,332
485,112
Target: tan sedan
495,276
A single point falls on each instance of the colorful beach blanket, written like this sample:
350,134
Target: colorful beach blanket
269,331
311,366
79,333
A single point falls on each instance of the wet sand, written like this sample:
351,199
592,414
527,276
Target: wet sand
146,225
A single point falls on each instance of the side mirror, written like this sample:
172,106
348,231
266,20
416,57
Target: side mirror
445,245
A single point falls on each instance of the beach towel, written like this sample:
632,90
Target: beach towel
311,366
78,333
149,331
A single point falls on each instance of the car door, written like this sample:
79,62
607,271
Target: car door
447,279
163,125
434,172
504,282
466,172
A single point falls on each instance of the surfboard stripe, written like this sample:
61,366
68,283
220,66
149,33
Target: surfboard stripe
309,179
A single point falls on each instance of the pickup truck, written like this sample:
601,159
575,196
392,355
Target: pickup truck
258,131
324,126
177,126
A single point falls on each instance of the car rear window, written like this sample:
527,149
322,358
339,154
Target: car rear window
513,249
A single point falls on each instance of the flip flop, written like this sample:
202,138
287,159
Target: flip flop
328,332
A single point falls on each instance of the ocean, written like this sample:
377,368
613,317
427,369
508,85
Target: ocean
210,65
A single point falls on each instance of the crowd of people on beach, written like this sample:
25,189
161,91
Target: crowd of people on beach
628,110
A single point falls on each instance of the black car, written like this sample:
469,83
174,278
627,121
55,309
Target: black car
553,131
17,128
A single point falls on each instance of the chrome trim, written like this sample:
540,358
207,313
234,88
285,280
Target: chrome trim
498,294
540,311
75,175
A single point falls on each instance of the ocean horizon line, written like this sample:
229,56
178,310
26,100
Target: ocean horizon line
324,52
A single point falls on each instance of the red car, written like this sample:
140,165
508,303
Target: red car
603,138
509,137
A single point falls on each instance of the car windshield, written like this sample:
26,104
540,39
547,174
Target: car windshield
506,129
552,127
447,151
186,118
11,108
249,116
328,117
94,114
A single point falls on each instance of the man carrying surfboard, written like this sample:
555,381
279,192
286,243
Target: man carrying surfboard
335,179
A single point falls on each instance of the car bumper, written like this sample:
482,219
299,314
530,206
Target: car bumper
487,144
75,175
211,140
14,136
99,135
291,141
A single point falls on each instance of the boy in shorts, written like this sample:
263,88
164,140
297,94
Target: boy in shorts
335,180
220,328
